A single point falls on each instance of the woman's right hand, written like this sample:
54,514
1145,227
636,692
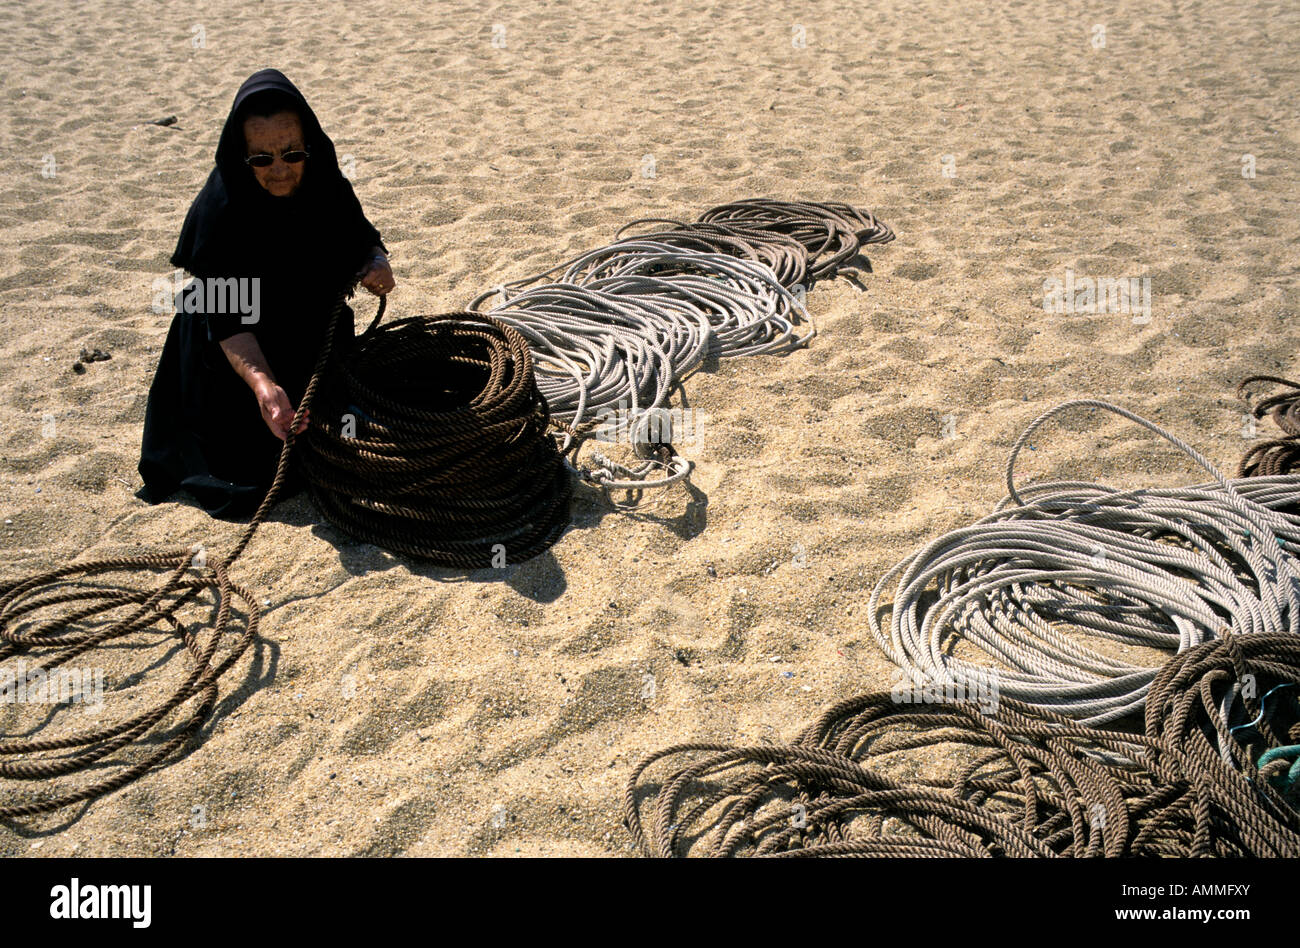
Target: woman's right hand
277,410
248,361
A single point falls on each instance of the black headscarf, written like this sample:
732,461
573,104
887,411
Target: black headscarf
236,228
203,428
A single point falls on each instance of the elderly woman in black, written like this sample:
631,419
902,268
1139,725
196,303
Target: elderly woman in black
278,218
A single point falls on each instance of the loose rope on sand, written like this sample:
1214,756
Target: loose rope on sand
1159,568
29,626
1207,778
412,479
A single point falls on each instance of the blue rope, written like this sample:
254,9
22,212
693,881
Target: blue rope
1262,702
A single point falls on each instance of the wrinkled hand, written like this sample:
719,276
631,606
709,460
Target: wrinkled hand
277,411
377,277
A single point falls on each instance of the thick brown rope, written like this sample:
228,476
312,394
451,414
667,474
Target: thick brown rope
1027,782
1279,455
431,439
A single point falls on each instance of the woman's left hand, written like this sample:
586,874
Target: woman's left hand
378,277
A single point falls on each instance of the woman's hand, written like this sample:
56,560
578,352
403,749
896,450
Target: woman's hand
248,361
277,410
377,277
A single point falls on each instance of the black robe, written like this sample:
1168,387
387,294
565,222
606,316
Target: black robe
203,428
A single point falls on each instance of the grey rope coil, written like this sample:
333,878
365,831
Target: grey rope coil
1167,569
615,330
832,233
782,254
1213,775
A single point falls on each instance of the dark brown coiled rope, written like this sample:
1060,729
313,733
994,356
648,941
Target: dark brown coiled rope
1028,782
430,439
1279,455
831,232
1230,712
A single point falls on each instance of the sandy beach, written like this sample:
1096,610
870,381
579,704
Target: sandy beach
395,708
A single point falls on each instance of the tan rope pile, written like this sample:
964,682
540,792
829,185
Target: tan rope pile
55,617
1020,782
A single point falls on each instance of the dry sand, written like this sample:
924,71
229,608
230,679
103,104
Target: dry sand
398,708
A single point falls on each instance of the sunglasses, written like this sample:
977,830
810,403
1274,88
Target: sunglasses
265,161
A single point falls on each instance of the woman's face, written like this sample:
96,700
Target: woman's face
275,135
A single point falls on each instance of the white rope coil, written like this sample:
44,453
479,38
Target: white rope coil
1060,563
615,330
